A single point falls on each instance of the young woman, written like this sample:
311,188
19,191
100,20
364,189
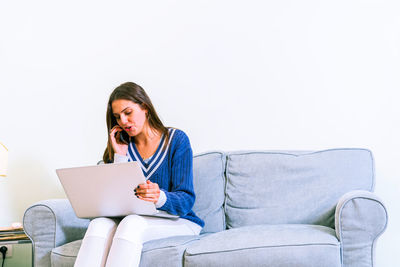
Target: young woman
136,133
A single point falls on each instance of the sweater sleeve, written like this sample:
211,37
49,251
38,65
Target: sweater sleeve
181,197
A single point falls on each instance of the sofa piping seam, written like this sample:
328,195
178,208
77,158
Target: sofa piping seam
372,171
208,153
340,225
172,246
61,255
55,226
258,247
30,237
226,172
224,180
291,154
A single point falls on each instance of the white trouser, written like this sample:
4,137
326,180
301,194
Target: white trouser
126,239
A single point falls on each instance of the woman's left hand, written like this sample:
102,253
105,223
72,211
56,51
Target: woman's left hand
148,191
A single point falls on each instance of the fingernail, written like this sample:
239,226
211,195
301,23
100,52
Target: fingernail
134,189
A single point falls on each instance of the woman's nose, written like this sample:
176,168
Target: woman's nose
124,119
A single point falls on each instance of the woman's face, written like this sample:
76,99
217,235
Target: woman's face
130,116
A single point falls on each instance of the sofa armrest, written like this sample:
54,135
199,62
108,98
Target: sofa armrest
49,224
360,218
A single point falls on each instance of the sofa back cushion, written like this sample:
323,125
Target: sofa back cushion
292,187
209,183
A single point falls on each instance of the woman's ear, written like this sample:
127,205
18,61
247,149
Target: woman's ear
146,110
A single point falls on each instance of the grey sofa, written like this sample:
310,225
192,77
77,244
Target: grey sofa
261,208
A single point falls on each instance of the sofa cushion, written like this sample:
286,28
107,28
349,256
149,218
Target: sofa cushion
209,186
65,255
293,187
267,245
166,252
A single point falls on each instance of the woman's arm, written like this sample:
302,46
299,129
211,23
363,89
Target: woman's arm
180,199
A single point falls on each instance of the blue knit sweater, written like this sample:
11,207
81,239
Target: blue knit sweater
172,169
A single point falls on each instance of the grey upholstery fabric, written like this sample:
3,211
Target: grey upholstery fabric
267,245
65,255
209,185
293,187
167,252
360,219
49,224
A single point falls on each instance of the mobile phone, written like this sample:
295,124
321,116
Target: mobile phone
124,137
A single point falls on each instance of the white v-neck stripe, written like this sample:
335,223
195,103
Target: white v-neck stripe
162,152
158,154
153,160
162,159
136,157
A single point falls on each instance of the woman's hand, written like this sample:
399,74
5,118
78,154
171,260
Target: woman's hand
148,191
118,146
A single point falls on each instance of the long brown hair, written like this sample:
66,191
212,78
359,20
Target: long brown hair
135,93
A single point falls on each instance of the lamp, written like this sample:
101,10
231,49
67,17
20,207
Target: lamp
3,160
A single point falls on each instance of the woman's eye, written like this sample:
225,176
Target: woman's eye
128,113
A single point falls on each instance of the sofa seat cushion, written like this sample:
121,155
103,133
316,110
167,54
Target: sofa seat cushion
65,255
267,245
161,252
166,252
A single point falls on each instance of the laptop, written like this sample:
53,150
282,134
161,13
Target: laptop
106,190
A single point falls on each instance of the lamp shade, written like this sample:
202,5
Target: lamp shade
3,160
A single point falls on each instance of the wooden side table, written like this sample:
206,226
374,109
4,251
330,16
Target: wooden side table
19,249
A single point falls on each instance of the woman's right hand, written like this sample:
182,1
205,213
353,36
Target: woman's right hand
119,147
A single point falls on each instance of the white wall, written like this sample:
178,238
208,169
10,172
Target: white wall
232,74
